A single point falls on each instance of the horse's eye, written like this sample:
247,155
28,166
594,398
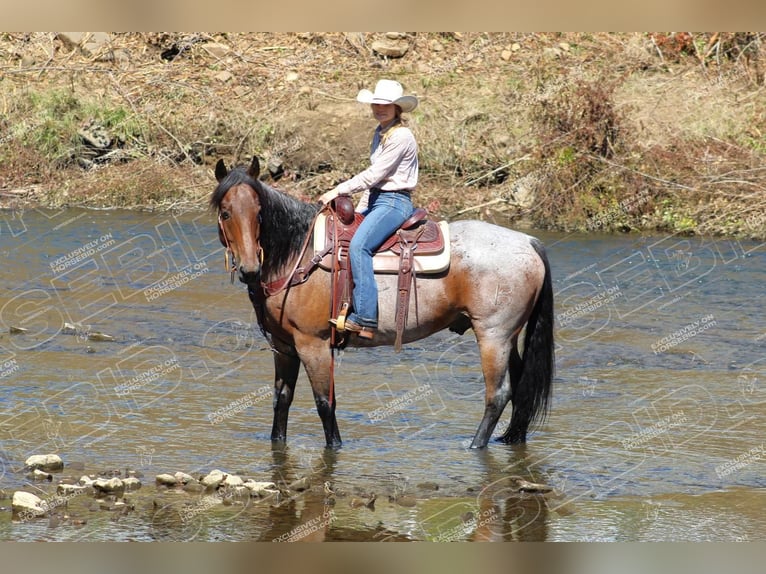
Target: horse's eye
225,215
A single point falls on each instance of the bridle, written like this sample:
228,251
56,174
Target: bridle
230,253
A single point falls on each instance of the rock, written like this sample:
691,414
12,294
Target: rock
428,486
166,480
435,45
86,480
356,39
193,487
26,505
95,136
216,50
515,47
506,55
232,481
184,478
390,48
261,488
292,77
96,336
13,330
224,76
89,42
395,35
522,485
276,167
46,462
70,489
524,190
131,483
213,479
73,329
38,474
109,486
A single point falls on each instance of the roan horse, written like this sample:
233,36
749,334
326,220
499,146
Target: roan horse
497,283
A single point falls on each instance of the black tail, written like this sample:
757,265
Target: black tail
531,395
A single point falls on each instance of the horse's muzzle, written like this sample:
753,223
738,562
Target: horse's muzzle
249,276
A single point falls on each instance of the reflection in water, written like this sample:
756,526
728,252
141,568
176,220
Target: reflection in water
655,431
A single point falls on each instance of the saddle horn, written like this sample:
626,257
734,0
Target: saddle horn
344,207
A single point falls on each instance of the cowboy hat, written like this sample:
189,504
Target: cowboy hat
388,92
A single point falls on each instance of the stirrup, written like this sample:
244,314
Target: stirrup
352,327
340,322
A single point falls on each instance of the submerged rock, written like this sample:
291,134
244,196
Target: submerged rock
261,488
71,489
522,485
38,475
131,483
96,336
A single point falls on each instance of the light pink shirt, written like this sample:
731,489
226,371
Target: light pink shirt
394,163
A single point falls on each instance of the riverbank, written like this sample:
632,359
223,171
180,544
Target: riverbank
591,132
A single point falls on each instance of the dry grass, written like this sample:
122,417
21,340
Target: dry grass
587,122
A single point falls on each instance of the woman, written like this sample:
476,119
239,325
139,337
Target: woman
390,179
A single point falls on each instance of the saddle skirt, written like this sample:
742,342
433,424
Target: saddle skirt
432,254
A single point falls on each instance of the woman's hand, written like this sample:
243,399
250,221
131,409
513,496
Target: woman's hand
327,197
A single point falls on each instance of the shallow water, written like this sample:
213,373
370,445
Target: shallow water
655,433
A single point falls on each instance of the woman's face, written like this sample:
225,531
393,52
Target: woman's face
384,113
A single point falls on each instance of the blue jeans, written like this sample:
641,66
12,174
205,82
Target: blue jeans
386,211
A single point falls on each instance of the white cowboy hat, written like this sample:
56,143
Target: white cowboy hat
388,92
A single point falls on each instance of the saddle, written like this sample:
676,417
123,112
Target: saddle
420,245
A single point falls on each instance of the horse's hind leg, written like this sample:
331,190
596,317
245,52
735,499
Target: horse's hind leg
286,368
495,353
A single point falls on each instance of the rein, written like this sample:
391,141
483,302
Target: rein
275,287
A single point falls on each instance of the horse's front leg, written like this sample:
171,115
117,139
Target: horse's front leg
286,368
317,358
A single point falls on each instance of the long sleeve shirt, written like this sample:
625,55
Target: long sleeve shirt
393,163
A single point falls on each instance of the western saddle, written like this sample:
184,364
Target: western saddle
396,254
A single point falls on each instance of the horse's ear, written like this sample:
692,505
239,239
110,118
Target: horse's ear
220,170
255,168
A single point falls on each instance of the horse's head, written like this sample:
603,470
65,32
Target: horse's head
239,218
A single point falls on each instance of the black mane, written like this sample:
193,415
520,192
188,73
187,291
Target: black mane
285,221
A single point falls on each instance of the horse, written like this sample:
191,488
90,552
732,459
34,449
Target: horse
498,283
